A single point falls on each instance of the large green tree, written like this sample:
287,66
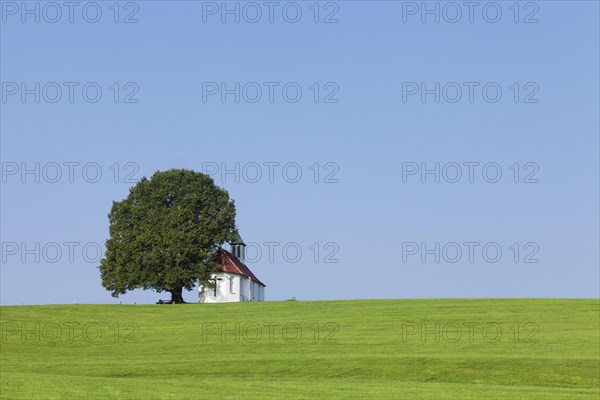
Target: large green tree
167,233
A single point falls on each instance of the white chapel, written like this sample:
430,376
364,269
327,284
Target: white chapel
235,282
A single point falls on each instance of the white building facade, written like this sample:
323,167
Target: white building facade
235,283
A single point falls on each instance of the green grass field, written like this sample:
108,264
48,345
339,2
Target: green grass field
370,349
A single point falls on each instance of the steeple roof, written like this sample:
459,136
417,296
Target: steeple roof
238,239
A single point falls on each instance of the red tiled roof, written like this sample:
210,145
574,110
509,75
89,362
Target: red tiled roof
233,265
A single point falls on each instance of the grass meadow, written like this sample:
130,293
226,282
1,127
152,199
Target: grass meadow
363,349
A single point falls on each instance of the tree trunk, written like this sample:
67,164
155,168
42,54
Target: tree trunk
177,295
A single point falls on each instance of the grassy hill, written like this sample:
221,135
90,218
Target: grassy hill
370,349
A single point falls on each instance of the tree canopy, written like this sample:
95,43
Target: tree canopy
167,233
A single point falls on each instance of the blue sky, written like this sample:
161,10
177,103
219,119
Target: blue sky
379,104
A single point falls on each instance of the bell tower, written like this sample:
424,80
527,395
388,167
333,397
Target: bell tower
238,247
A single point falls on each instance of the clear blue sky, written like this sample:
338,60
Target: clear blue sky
369,210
